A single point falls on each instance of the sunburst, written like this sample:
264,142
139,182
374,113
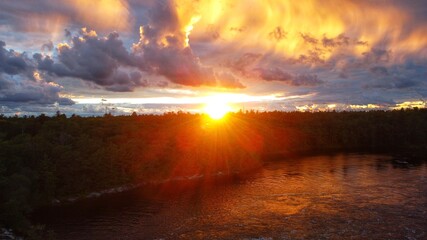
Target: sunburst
216,108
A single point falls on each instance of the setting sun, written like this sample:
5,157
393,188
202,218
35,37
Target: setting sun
149,119
216,109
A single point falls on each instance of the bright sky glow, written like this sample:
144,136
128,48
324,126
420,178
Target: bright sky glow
230,98
285,55
216,108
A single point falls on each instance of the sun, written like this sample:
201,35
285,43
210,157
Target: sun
216,109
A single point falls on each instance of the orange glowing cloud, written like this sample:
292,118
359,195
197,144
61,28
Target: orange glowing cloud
291,28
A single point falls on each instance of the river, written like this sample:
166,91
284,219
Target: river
350,196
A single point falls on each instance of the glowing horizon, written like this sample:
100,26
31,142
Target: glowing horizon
229,97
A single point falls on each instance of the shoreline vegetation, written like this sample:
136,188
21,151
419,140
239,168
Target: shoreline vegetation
45,160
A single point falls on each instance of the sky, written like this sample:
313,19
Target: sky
153,56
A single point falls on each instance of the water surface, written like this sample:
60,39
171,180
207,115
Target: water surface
324,197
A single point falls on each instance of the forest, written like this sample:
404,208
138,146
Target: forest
44,158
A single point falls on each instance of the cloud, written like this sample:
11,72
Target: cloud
277,74
11,62
400,77
47,46
244,63
376,55
278,34
124,82
22,90
340,40
21,83
309,39
49,15
228,80
312,57
164,47
359,48
379,71
95,59
263,67
306,80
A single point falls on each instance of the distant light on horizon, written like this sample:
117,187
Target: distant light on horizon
229,97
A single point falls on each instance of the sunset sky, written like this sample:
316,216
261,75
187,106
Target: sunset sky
152,56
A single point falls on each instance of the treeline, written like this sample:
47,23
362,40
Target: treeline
45,158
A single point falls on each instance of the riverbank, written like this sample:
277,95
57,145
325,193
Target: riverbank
129,187
8,234
409,157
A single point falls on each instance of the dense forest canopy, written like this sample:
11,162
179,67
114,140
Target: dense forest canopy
45,158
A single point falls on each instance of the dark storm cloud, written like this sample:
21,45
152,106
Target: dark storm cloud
399,77
5,84
94,59
11,62
18,84
21,90
277,74
124,82
402,82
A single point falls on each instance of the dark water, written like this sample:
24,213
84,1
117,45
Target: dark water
324,197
